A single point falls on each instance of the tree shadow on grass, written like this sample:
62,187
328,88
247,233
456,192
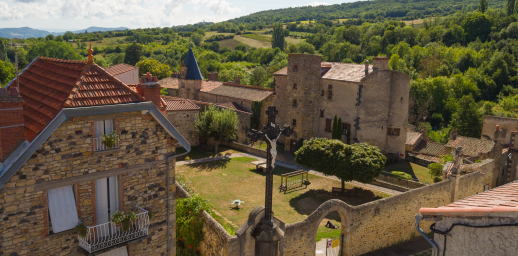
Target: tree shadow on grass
306,203
211,165
402,166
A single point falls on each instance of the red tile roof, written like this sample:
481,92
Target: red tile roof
500,199
48,85
430,148
180,105
169,82
207,86
119,69
338,71
238,91
471,146
412,137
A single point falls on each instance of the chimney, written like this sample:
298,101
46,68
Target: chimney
213,76
498,132
457,158
11,122
366,67
380,63
237,80
150,89
453,135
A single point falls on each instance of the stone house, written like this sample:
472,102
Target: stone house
189,84
371,100
182,115
56,171
506,126
483,224
413,139
126,73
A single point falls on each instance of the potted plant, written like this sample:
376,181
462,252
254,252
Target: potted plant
118,218
149,212
81,229
110,139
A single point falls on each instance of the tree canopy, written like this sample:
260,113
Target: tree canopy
361,162
156,68
53,49
133,53
220,124
278,40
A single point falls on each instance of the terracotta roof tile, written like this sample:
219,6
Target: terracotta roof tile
282,71
48,85
500,199
207,86
430,148
180,104
233,105
119,69
471,146
338,71
240,91
412,137
435,159
169,82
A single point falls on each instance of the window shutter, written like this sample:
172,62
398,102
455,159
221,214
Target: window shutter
62,208
113,194
99,128
398,131
101,199
328,125
108,126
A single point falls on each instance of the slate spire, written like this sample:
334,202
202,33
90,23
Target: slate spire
193,71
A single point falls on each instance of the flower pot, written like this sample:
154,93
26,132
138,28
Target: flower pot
109,144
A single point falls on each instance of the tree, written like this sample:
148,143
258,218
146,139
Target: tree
53,49
214,46
133,53
334,130
476,25
361,162
278,40
6,73
435,171
155,67
218,124
467,119
482,7
49,37
240,47
196,38
511,5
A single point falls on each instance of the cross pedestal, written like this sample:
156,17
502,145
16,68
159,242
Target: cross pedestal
266,233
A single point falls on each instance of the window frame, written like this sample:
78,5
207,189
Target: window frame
328,125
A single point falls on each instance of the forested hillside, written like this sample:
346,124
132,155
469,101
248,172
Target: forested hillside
461,55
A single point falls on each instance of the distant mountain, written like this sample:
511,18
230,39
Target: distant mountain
99,29
26,32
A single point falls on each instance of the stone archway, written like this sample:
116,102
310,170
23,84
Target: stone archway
300,237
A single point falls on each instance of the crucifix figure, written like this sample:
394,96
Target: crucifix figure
266,232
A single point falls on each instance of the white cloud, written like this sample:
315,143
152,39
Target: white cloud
317,3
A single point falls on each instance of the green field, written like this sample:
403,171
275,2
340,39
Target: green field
230,43
241,181
252,42
103,43
261,38
213,33
422,173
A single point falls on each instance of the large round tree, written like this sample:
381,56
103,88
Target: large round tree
361,162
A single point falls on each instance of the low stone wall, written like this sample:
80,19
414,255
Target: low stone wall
255,151
385,184
400,182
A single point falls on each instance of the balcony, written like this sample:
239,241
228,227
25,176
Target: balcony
107,235
100,146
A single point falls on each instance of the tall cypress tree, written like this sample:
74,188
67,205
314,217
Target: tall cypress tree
511,5
339,129
278,37
482,7
333,134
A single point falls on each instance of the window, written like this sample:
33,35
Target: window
345,127
294,102
103,127
504,131
177,93
106,198
328,125
294,122
330,87
330,94
321,113
295,86
393,131
62,209
322,93
295,68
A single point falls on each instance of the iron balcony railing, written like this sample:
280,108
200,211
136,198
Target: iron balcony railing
99,145
107,235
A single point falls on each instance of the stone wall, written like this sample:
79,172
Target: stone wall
184,122
67,158
463,240
507,125
400,182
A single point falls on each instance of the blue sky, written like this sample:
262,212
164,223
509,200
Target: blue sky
80,14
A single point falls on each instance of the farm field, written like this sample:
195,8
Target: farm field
252,42
213,33
103,43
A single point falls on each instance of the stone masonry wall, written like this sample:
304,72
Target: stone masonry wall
67,158
184,122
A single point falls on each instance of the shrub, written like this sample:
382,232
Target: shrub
402,175
189,222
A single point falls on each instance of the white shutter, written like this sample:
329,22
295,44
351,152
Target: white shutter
108,126
113,195
99,128
62,208
101,199
121,251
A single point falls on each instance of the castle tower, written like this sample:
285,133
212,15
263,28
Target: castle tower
190,77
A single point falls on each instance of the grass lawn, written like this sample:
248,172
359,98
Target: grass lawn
324,232
230,179
197,153
422,173
252,42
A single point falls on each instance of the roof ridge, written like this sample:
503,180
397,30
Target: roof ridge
248,86
62,61
78,85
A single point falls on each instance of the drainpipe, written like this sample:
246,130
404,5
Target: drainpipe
418,219
168,206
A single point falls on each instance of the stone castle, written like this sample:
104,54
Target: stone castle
371,100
